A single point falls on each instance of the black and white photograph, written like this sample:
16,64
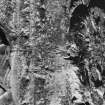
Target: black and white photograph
52,52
